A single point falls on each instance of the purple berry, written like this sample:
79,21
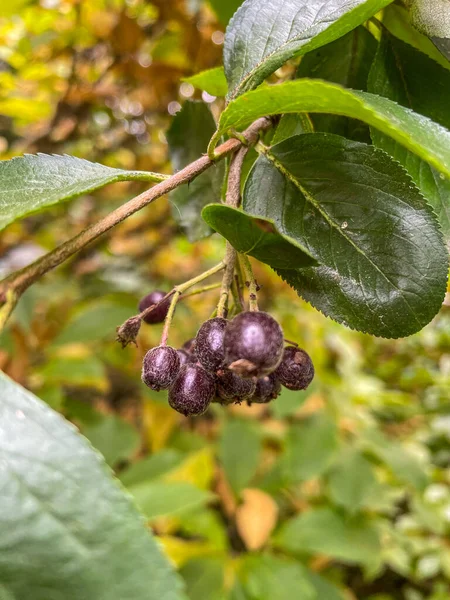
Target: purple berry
158,314
160,367
253,344
209,343
267,388
296,370
232,388
186,357
189,345
192,390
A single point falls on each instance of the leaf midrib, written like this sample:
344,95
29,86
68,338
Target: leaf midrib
336,226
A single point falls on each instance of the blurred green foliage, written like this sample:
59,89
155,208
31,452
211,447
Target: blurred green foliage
353,474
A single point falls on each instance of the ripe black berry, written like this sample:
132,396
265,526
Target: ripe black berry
296,370
186,357
253,344
160,367
232,388
192,390
158,314
209,343
189,345
267,388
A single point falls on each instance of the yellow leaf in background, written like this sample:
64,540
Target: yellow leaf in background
11,7
159,422
197,469
256,518
25,110
180,551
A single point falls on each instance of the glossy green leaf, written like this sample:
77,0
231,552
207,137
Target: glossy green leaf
32,183
324,531
345,61
402,73
212,81
263,35
60,507
310,448
292,124
383,261
396,20
113,437
352,481
188,138
161,498
239,452
324,590
419,134
256,237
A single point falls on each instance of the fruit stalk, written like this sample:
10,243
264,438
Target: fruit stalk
250,282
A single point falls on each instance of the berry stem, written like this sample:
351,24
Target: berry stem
180,289
250,282
230,260
169,317
206,288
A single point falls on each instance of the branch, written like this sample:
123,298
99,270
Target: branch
15,284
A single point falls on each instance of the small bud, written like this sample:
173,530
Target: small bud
128,331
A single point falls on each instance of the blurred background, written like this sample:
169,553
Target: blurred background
339,492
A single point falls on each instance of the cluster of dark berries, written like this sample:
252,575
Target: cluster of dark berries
243,359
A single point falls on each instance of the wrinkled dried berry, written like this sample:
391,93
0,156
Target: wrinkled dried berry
267,388
160,367
253,344
232,388
186,357
192,390
296,370
158,314
209,343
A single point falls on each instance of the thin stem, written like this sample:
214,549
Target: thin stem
237,298
169,317
178,290
230,261
206,288
250,282
21,280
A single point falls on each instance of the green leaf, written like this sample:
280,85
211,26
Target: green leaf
397,21
239,452
323,531
113,437
188,138
161,498
292,124
345,61
419,134
269,577
67,529
204,578
95,321
352,481
324,590
256,237
263,35
212,81
151,467
383,261
402,462
310,448
225,9
32,183
402,73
